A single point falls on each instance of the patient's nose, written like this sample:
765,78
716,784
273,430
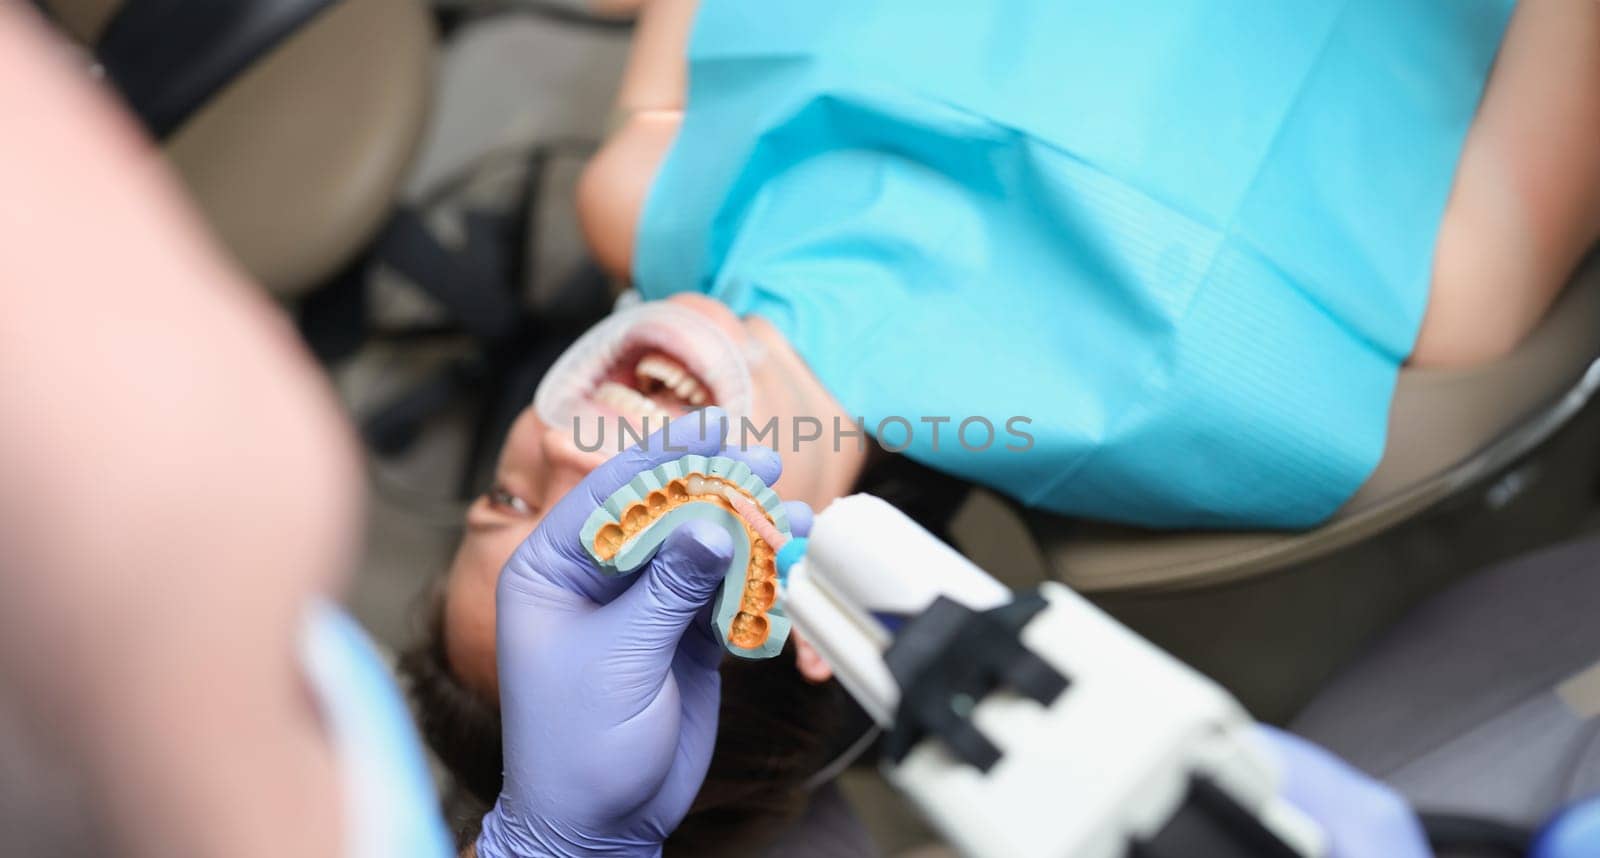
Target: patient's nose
568,464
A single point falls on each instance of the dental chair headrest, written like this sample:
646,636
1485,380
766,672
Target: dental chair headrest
169,57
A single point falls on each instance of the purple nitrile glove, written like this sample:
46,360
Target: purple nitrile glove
1361,817
1572,833
609,686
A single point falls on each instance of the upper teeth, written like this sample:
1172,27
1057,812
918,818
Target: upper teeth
629,402
671,375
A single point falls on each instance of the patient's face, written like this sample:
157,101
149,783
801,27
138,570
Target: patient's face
540,463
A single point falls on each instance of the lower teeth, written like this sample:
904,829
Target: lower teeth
628,401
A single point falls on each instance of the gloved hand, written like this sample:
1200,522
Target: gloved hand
1361,817
1573,833
608,686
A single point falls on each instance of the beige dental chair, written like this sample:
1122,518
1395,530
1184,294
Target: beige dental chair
293,148
1480,464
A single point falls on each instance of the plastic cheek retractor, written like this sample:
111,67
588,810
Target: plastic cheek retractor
566,394
625,532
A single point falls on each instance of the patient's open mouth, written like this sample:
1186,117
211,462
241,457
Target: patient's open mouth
649,382
654,361
661,375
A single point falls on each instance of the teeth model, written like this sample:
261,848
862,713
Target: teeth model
625,532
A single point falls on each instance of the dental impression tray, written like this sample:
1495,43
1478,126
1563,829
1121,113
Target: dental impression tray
626,531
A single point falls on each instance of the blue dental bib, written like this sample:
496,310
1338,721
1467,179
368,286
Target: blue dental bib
1183,246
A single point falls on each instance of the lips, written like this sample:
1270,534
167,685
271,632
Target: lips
653,361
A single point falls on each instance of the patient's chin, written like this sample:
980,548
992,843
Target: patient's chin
809,662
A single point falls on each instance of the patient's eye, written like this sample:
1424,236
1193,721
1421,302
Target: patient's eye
503,499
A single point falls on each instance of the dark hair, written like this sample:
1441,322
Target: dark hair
460,725
775,730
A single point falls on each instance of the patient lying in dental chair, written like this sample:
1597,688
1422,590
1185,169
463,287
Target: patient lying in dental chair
1195,256
1157,265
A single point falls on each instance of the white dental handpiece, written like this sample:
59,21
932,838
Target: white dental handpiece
1034,724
